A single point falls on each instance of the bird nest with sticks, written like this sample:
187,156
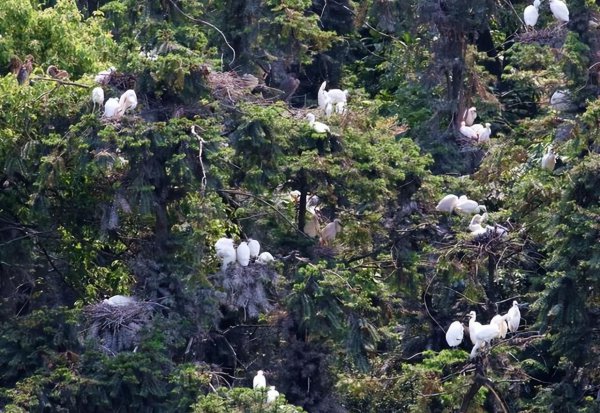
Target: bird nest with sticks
230,88
552,36
117,328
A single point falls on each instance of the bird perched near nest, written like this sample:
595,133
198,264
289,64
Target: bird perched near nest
97,97
225,252
330,231
128,101
468,131
470,115
549,160
111,109
447,203
25,70
254,247
318,127
484,135
272,394
120,300
531,14
265,258
455,334
259,381
513,317
560,10
55,73
243,254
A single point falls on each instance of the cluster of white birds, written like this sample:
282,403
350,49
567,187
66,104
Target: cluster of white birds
113,109
260,382
558,8
461,205
481,335
475,131
312,227
245,251
477,229
327,99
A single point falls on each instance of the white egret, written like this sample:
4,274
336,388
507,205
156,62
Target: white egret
120,300
330,231
513,317
223,243
225,252
97,97
323,97
485,134
338,96
243,254
560,10
340,107
265,258
478,128
483,336
470,115
254,247
447,203
475,225
128,101
103,77
473,326
467,206
531,14
455,334
549,160
272,394
259,382
319,127
311,227
500,323
328,109
111,109
467,131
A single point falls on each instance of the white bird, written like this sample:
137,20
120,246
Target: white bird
128,101
330,231
470,115
447,203
485,134
104,76
111,109
483,336
259,382
225,252
338,96
531,14
254,247
467,206
467,131
473,326
478,128
340,107
311,227
455,334
323,97
475,225
97,97
549,160
513,317
119,300
560,10
272,394
319,127
265,258
243,254
328,109
499,322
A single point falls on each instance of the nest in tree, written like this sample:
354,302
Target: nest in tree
246,287
122,81
231,88
117,328
553,36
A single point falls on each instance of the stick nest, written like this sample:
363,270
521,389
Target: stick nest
553,37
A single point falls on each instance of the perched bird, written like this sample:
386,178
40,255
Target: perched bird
317,126
478,128
473,326
447,203
499,322
531,13
475,226
254,247
455,334
470,115
259,382
22,75
311,227
243,254
485,134
119,300
483,336
323,97
467,131
128,101
225,252
265,257
467,206
560,10
330,231
97,97
55,73
549,160
311,203
104,76
339,98
272,394
513,317
328,109
111,109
